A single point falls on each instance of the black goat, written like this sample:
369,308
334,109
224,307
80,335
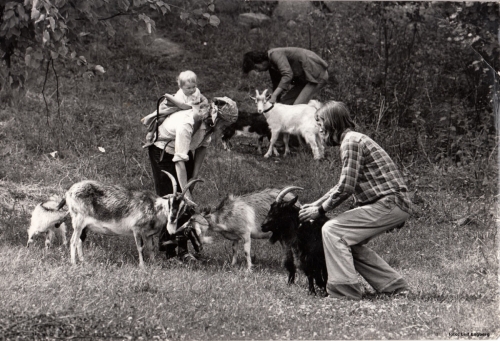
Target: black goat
249,125
304,239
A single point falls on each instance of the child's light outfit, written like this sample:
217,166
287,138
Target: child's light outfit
167,108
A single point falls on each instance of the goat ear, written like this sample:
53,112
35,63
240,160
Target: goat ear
293,201
253,98
267,98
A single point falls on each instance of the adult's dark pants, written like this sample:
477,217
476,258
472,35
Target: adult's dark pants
163,186
291,95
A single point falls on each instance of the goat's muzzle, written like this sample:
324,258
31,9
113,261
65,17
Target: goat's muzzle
190,232
265,227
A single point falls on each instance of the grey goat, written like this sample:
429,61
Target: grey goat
115,210
238,218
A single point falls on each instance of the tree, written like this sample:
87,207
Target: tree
37,32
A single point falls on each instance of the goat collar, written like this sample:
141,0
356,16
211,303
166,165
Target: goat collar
269,109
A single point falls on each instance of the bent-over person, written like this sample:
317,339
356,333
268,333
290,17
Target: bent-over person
180,150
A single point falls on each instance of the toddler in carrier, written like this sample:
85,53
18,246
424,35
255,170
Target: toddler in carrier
188,97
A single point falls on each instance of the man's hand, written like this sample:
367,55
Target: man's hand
309,213
312,204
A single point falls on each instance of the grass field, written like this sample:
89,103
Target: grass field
448,250
451,269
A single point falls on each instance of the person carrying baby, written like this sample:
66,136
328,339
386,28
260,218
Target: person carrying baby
187,97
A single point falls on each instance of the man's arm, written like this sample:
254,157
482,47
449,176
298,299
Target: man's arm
180,169
351,155
279,59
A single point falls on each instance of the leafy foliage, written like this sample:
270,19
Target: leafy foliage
44,30
419,66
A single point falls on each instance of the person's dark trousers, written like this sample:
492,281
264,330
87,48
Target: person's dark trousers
291,95
288,98
163,186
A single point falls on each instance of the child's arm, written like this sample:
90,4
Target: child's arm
177,103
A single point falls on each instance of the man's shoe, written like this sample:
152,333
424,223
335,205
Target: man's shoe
398,293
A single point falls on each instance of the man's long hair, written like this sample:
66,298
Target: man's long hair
253,57
336,120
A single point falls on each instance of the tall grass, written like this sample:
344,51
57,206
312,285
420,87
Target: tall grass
447,251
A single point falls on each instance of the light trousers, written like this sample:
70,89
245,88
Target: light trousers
344,239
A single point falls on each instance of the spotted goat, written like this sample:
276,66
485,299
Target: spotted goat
115,210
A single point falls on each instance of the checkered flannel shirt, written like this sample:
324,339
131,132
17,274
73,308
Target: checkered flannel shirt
367,172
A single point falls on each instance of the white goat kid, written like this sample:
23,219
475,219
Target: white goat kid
115,210
47,219
291,119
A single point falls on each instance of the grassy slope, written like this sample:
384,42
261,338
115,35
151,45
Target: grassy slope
452,269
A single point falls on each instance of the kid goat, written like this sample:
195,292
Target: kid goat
304,239
249,125
47,219
291,119
238,218
115,210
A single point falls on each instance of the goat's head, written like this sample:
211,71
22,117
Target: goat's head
260,100
178,204
195,229
280,213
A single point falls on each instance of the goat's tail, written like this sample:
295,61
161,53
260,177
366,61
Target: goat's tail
315,103
61,204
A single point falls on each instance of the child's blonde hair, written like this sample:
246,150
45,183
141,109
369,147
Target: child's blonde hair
187,77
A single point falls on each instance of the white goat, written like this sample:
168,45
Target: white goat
237,218
291,119
114,210
47,219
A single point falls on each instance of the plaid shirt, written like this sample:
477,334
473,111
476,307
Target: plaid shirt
367,172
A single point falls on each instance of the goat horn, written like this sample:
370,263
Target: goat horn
257,92
174,183
189,184
190,202
284,192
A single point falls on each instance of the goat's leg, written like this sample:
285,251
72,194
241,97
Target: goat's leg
321,146
274,138
49,238
139,244
79,248
302,143
311,140
259,144
235,252
226,145
148,245
310,281
286,139
319,278
247,248
75,241
289,264
62,233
